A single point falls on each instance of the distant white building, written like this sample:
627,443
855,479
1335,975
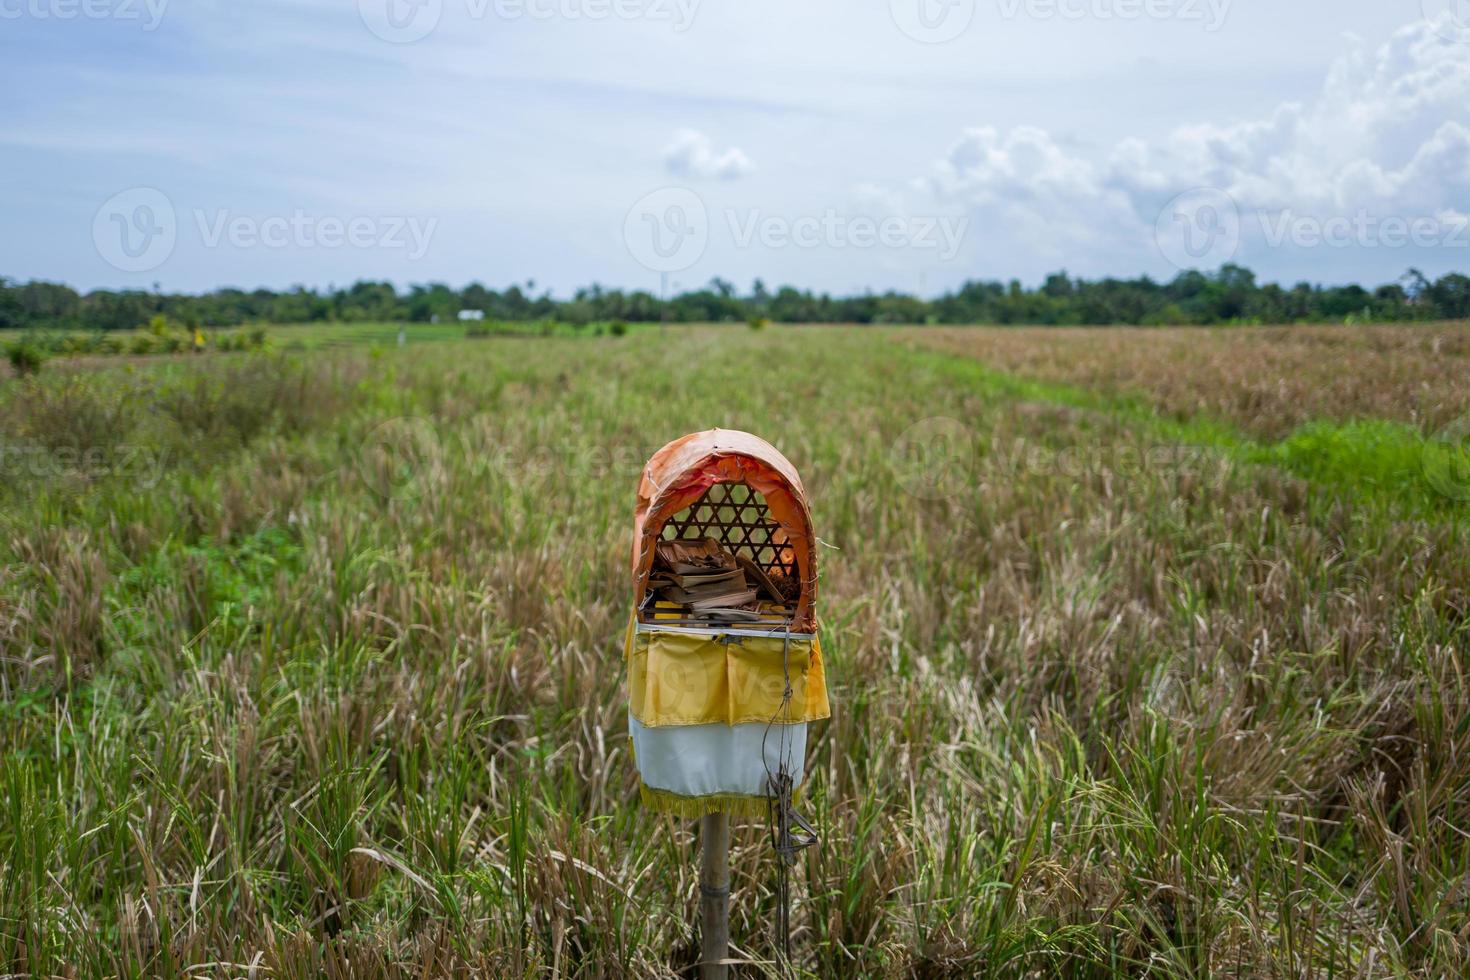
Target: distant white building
467,315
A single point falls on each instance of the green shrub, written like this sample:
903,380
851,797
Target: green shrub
77,413
232,402
240,340
25,357
617,328
757,322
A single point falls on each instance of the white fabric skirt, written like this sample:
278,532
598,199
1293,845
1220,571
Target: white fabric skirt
709,760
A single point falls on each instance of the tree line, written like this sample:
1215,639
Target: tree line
1229,296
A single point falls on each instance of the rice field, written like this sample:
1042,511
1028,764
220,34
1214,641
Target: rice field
1267,380
1146,648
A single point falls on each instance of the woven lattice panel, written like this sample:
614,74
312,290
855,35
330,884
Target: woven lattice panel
736,516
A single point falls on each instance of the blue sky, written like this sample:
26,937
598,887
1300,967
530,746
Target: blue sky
907,144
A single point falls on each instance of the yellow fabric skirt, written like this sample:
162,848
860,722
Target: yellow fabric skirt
722,676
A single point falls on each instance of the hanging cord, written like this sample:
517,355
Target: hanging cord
789,831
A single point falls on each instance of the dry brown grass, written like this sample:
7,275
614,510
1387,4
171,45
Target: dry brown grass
1266,380
1192,719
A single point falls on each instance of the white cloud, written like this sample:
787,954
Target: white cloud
1388,133
692,154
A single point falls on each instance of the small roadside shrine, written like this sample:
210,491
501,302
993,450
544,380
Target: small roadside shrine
724,668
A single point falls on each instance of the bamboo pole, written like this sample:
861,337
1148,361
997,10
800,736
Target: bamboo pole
714,896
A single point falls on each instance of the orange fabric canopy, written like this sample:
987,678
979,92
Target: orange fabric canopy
679,474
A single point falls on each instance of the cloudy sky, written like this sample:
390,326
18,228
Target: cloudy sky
909,144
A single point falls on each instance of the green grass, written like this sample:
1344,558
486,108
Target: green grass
315,336
331,683
320,336
1374,462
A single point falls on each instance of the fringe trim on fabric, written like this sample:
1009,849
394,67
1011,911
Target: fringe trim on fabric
694,807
